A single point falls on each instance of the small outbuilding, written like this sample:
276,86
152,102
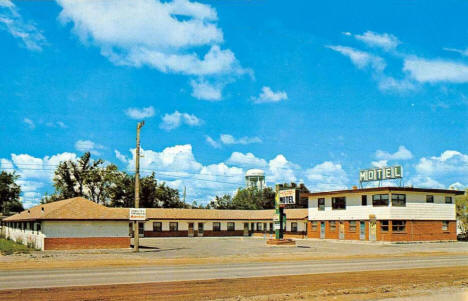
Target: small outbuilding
75,223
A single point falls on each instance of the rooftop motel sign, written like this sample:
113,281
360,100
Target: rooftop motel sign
379,174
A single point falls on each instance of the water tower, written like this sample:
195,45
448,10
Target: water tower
255,178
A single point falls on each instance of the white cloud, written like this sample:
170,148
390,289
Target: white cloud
281,170
35,173
12,22
136,113
246,160
449,162
29,122
268,95
88,146
212,142
326,176
373,39
380,164
437,70
167,36
425,182
229,139
463,52
120,156
458,186
387,83
361,59
176,119
205,90
401,154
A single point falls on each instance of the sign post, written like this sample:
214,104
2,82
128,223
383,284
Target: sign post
283,197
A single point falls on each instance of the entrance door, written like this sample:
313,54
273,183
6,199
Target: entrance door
362,230
190,229
200,229
341,233
322,229
372,230
141,229
246,229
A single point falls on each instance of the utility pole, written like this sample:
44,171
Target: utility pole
136,228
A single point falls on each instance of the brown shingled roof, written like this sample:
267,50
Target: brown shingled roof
82,209
216,214
70,209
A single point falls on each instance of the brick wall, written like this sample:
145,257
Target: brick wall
86,243
419,231
414,231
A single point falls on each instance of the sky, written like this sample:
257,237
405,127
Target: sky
310,92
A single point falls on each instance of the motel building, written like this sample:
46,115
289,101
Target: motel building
394,214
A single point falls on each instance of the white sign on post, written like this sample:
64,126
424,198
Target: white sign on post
137,214
287,196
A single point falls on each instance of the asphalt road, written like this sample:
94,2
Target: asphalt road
118,275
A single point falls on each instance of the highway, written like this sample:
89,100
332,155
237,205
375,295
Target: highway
21,279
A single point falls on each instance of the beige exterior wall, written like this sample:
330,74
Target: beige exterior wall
416,207
85,228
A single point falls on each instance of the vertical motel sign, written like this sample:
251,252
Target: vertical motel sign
283,198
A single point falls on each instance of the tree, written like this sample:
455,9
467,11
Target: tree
462,212
84,177
9,193
249,198
152,194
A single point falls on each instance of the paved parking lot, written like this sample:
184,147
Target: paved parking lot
248,246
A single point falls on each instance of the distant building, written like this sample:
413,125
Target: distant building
255,178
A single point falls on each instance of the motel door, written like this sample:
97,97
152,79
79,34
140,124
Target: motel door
200,229
322,229
372,230
190,229
362,230
341,234
246,229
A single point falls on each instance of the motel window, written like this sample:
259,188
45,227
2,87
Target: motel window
230,226
157,226
384,226
364,200
399,200
445,225
321,204
259,227
38,227
352,226
380,200
339,203
332,226
314,226
429,199
271,227
398,226
448,200
173,226
294,227
216,226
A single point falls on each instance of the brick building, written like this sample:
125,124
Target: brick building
383,214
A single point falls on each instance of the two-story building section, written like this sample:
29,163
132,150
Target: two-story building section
383,214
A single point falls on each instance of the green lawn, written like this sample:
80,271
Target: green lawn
8,247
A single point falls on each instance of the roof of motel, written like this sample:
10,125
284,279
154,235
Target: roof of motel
388,188
82,209
70,209
214,214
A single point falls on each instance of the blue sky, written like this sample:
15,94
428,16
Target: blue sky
309,92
